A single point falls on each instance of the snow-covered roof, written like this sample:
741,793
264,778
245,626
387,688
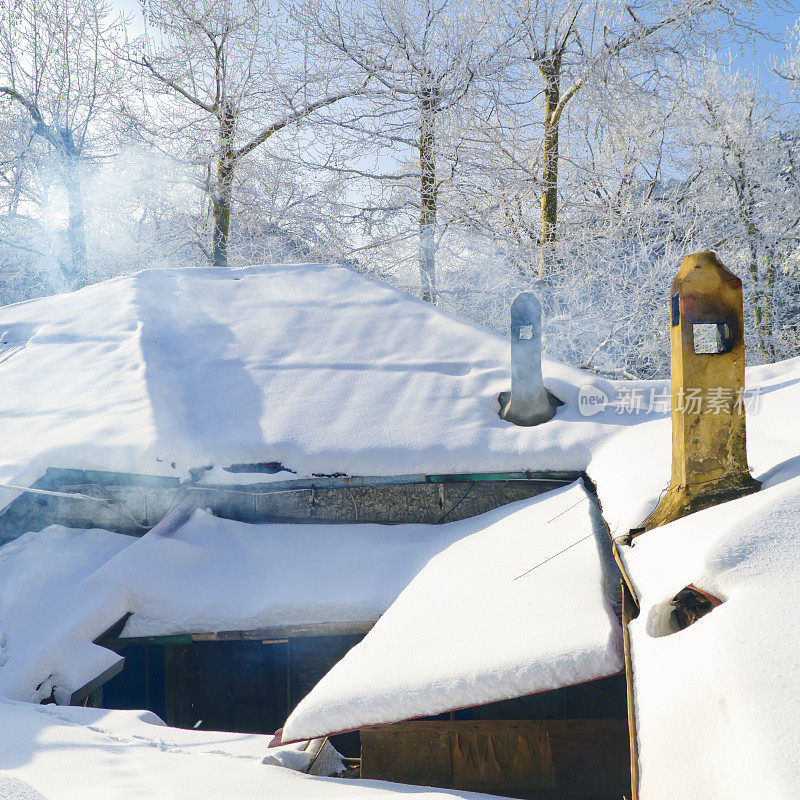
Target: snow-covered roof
61,588
520,606
717,706
718,703
312,366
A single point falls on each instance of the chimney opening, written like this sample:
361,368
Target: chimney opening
711,338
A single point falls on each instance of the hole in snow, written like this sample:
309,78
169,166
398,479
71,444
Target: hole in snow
688,606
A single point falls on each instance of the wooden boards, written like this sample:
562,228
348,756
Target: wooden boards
533,759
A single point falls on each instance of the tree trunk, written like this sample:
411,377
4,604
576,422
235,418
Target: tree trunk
427,204
552,75
75,273
770,351
763,286
223,190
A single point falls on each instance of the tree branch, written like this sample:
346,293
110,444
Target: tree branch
42,128
565,98
211,109
296,116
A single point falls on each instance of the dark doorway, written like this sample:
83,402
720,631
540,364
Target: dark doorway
239,686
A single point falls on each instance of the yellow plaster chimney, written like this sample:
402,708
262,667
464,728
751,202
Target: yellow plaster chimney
709,459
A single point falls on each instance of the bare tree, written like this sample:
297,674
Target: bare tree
55,57
241,73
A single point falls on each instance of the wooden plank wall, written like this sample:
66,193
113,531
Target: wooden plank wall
586,759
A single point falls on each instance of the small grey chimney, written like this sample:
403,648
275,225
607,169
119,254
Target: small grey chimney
528,403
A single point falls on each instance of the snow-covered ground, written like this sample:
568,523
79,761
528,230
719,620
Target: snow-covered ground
57,753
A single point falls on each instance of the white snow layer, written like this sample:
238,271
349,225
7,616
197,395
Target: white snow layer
323,370
61,753
718,703
475,625
312,366
61,588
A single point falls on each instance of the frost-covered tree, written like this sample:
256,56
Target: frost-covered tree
744,157
240,72
421,58
57,69
570,46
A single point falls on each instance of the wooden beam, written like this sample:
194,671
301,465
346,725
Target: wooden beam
267,635
78,697
114,631
175,519
287,632
630,611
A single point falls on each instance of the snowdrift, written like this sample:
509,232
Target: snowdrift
56,753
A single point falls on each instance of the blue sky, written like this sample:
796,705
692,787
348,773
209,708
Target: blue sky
755,56
761,54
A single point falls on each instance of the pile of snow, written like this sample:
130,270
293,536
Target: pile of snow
718,703
61,588
57,753
312,366
522,605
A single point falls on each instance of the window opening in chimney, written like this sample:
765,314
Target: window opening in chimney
711,338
